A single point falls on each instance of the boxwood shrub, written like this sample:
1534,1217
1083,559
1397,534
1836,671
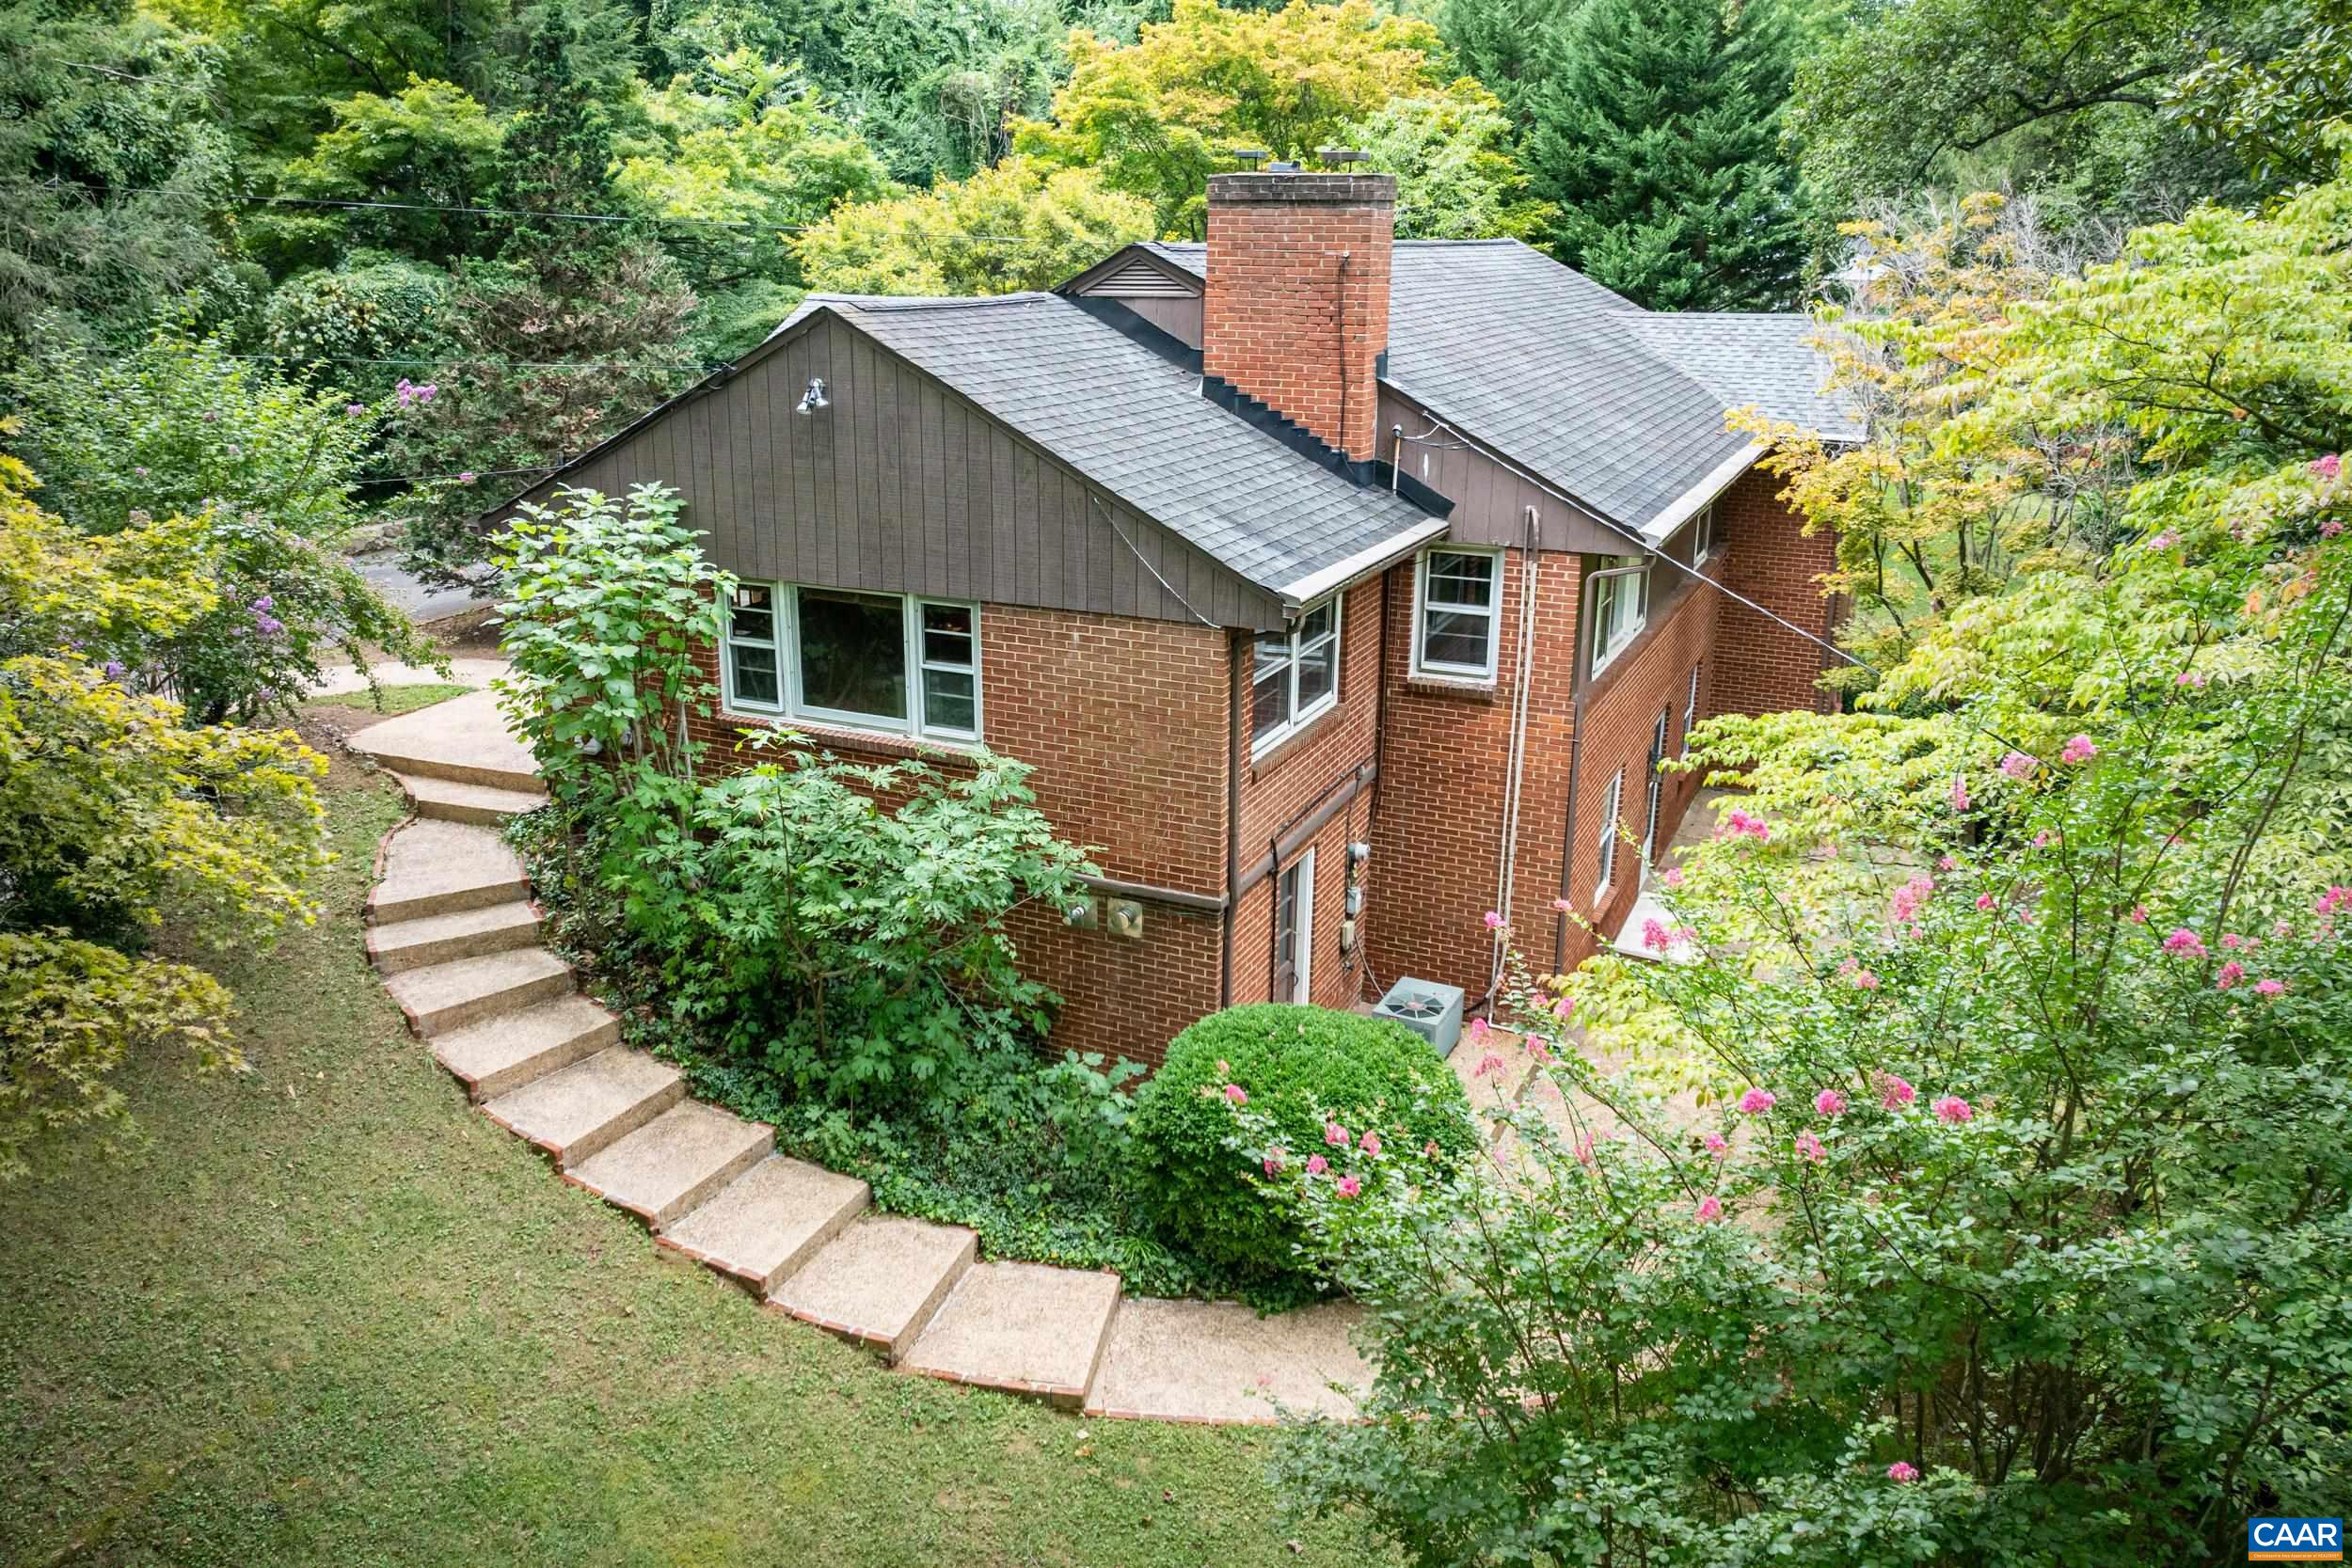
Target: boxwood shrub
1299,1066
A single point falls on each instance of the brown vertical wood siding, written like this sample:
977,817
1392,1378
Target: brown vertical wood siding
902,485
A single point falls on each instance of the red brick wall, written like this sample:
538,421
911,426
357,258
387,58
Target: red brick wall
1436,841
1764,667
1125,724
1296,308
1621,708
1282,788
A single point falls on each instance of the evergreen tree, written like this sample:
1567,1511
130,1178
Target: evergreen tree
1656,130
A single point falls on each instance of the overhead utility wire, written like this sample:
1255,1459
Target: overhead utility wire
496,211
1649,550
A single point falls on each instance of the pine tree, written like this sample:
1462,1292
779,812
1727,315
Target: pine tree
1657,129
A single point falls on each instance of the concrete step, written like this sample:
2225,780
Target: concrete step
451,801
879,1281
578,1113
1220,1361
1025,1328
463,741
442,997
439,867
437,938
769,1221
506,1053
674,1162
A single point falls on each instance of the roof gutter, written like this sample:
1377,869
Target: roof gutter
1686,505
1363,563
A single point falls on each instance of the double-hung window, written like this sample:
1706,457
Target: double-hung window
888,662
1605,846
1458,600
1620,608
1294,674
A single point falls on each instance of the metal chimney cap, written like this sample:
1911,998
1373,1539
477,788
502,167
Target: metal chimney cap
1249,154
1344,155
1281,165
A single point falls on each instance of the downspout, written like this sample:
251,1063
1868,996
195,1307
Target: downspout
1233,814
1339,315
1506,868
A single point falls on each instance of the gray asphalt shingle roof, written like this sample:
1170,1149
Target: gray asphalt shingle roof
1749,360
1136,425
1619,406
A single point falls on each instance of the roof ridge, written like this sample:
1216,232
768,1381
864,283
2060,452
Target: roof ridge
931,302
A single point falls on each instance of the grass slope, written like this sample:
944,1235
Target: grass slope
329,1315
391,700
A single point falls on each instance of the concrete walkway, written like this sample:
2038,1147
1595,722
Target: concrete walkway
453,932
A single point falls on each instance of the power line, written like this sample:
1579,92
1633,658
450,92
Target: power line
499,211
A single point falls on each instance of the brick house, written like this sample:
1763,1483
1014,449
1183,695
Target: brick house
1339,589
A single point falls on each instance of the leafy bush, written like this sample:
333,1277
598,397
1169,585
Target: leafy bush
1303,1071
837,927
856,953
70,1012
268,472
115,816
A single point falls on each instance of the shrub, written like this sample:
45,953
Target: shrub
1302,1069
265,471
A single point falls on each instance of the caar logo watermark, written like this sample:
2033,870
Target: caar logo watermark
2294,1541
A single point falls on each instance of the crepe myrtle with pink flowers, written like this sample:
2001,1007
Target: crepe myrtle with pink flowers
1907,1259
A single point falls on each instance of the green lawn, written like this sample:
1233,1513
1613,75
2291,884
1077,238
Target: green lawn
396,699
329,1315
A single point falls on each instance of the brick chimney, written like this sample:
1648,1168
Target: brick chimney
1296,310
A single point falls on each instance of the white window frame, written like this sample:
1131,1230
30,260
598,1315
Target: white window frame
1300,717
1437,670
1654,794
785,624
1689,709
1607,842
1301,874
1609,590
1705,546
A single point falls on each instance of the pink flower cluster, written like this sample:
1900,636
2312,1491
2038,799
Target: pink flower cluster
1758,1100
1855,975
2328,466
1895,1093
1495,920
1951,1110
1810,1148
1709,1209
2229,974
1830,1102
1909,897
2332,900
1960,792
2077,750
2017,765
1902,1472
1740,823
2183,940
409,391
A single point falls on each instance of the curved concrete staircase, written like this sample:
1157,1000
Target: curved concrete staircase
453,931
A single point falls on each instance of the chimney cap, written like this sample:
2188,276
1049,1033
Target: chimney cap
1343,155
1249,154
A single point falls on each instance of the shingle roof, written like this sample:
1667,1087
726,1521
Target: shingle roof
1137,425
1767,363
1621,407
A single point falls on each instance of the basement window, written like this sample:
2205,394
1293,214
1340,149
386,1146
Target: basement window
1704,543
886,662
1620,608
1457,597
1294,674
